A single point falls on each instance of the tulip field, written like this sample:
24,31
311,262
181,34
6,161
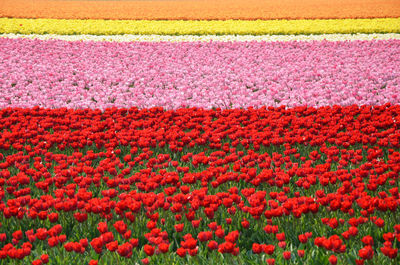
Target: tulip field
200,132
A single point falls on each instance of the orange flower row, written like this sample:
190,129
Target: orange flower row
200,9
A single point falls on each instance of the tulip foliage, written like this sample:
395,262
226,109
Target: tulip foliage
299,185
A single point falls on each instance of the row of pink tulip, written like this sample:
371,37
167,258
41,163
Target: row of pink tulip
58,73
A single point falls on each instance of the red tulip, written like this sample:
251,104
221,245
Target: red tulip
271,261
149,250
287,255
333,260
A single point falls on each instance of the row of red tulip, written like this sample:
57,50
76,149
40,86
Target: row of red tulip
191,182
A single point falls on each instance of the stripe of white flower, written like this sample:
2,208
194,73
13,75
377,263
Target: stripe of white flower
183,38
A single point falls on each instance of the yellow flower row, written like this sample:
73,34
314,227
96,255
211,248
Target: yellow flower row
198,27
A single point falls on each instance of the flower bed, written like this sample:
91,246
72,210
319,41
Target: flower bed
206,38
199,132
196,74
200,10
198,27
265,185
